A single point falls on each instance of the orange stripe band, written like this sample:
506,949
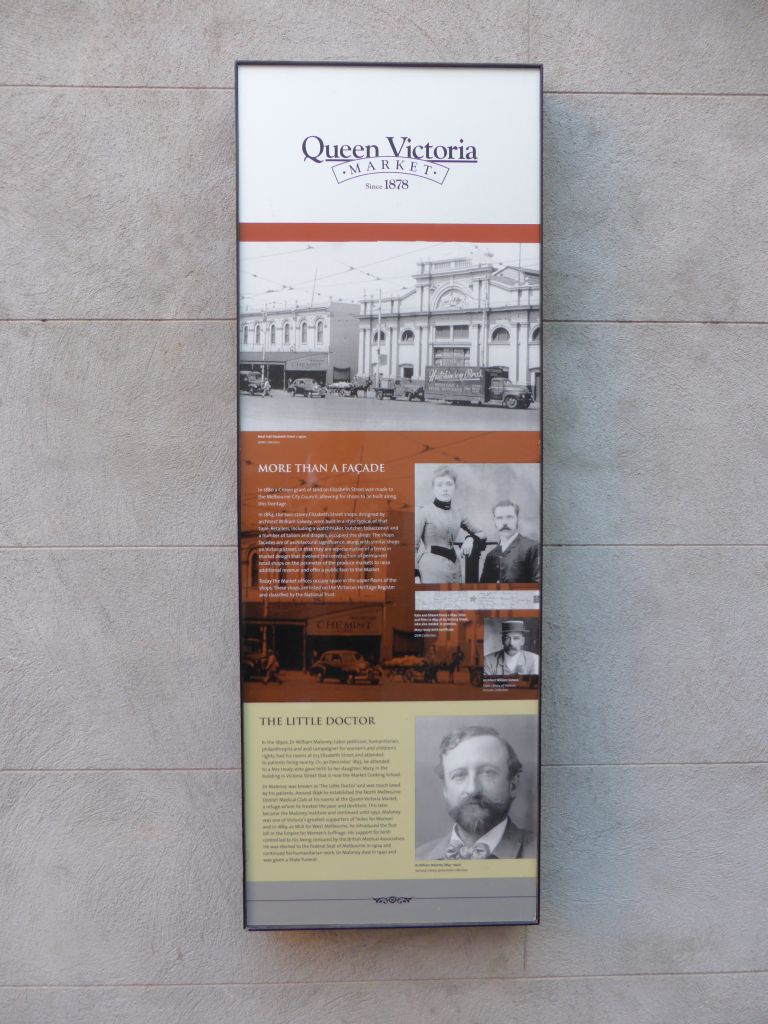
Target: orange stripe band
390,233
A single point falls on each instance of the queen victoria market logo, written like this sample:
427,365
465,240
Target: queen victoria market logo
397,155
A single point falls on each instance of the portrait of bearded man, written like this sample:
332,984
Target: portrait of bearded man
480,772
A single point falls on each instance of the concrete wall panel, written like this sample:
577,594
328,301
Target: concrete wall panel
691,46
118,433
650,655
119,658
178,44
121,203
655,434
120,652
651,208
652,869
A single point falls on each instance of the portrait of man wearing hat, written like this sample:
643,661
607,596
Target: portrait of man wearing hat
512,659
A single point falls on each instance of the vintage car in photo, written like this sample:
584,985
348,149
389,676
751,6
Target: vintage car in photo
306,388
344,667
254,384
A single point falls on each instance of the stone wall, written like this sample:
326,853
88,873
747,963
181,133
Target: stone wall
119,737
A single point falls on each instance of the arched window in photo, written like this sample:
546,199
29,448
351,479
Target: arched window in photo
319,333
258,335
500,336
304,333
286,334
407,337
272,336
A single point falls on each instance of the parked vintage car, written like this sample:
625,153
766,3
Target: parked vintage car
254,384
307,388
345,667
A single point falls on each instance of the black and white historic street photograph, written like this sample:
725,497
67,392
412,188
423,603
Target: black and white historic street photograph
475,787
477,523
390,336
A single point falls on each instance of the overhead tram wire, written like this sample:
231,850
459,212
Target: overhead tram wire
362,267
282,286
271,254
253,296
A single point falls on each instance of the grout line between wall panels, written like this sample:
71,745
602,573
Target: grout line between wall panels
510,978
124,88
118,320
119,547
654,93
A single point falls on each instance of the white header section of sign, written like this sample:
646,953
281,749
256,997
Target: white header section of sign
346,144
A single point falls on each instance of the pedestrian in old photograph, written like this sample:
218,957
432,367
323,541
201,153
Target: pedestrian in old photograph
272,668
454,662
431,666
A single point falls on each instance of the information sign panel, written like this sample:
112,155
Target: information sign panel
389,369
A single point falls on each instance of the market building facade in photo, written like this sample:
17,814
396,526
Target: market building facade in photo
458,313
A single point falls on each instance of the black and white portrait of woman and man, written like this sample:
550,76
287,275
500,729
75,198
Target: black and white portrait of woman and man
477,523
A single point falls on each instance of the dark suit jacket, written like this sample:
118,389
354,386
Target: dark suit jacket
514,843
518,564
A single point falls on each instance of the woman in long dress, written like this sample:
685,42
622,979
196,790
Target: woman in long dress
440,528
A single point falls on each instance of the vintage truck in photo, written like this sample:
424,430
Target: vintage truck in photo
475,385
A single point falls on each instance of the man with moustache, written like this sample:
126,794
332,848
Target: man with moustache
480,773
512,659
514,558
